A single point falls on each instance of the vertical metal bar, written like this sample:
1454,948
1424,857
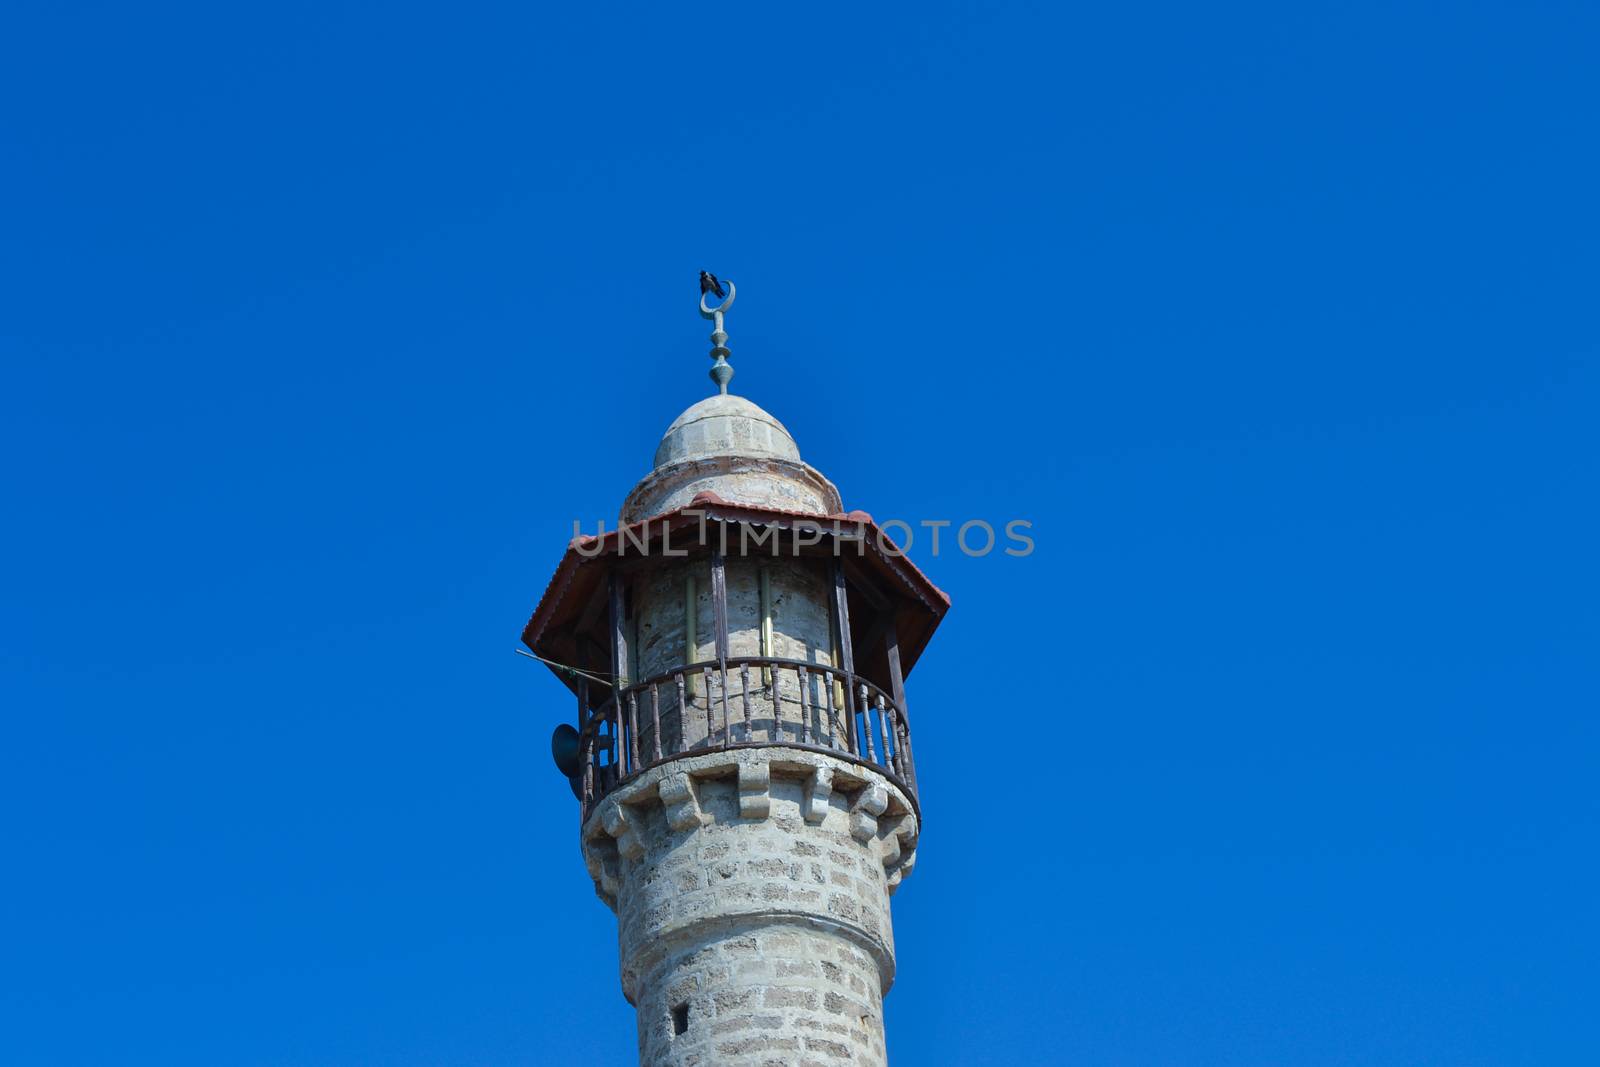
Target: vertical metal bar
719,615
744,687
864,698
683,715
633,731
765,579
911,759
897,678
691,613
851,728
841,619
711,709
620,660
825,711
613,748
777,707
719,602
844,709
588,753
905,753
805,702
655,721
727,730
583,712
833,710
866,724
618,751
847,656
893,724
883,732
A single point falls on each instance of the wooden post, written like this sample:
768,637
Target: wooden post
719,611
727,728
589,756
711,709
583,749
897,679
615,768
847,656
777,707
897,690
805,710
904,746
911,759
620,660
633,731
744,685
655,721
883,729
719,602
691,619
835,724
764,578
683,714
829,707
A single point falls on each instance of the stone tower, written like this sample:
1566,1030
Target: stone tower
741,754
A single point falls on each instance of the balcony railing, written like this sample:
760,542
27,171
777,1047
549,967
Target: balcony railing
745,702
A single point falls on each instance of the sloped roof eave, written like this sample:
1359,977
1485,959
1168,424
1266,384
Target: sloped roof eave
706,506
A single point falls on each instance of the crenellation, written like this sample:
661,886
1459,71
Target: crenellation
763,926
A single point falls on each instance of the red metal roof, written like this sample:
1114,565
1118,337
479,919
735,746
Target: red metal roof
585,563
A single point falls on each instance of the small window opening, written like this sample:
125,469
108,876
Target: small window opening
680,1020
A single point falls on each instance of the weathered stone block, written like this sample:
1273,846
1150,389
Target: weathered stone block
763,925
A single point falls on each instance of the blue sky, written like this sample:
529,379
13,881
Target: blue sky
322,322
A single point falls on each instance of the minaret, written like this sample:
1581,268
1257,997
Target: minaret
742,755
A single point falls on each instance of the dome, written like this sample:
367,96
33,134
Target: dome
725,425
731,448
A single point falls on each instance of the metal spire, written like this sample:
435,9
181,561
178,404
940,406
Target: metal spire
721,371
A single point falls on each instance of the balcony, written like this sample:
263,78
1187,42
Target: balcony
750,627
741,702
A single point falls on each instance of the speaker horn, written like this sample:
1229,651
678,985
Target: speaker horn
564,750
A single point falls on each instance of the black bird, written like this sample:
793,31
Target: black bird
709,284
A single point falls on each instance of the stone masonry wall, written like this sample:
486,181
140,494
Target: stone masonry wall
752,894
802,630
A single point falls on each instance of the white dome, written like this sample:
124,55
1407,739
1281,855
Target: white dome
729,447
725,425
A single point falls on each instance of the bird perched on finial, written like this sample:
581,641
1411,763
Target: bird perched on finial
709,284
